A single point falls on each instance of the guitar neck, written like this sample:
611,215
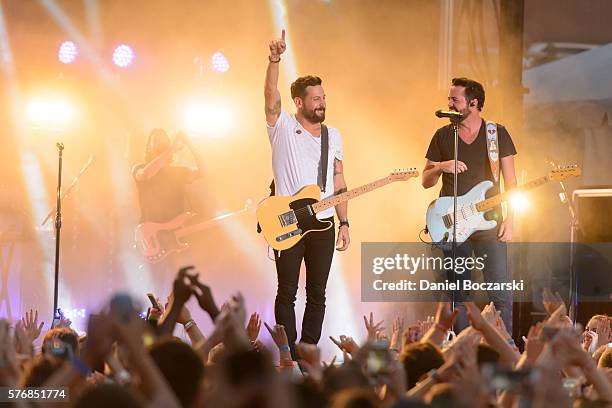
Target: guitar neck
494,201
204,225
356,192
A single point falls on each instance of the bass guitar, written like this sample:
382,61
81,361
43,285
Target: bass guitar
156,240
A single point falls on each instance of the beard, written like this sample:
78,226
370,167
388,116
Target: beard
315,116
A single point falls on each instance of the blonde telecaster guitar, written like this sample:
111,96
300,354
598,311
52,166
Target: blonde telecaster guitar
284,220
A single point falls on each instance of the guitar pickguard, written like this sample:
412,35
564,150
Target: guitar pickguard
306,219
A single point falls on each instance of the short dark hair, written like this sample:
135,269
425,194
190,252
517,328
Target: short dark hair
181,366
298,88
418,360
473,90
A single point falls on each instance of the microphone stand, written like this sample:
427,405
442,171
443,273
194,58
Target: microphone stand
455,125
58,224
75,180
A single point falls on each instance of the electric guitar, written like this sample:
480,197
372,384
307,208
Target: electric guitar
156,240
471,207
285,220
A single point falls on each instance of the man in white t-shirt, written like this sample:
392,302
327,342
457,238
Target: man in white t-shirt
296,156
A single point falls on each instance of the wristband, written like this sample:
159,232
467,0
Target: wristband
189,324
284,347
273,61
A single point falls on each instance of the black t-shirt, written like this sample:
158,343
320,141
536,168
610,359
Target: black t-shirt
163,196
474,155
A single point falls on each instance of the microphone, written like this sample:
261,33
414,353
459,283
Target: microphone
449,114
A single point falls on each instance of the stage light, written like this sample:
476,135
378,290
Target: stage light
220,62
67,52
74,314
123,56
519,201
210,119
50,112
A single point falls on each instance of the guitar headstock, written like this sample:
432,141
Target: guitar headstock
404,174
564,172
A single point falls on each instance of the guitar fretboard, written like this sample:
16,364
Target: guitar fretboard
494,201
356,192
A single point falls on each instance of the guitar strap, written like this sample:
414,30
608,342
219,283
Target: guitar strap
323,163
324,156
493,149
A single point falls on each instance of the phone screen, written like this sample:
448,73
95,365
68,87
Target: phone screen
57,315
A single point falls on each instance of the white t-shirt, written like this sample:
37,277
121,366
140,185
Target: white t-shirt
296,155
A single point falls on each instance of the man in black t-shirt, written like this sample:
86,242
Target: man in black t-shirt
162,192
467,97
161,184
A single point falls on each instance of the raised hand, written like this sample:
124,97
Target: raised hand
205,299
253,327
346,344
475,316
445,316
30,325
426,324
533,343
603,332
181,289
412,334
277,47
9,367
396,333
278,334
551,302
371,328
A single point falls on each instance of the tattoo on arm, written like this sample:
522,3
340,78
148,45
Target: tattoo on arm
275,110
337,167
340,191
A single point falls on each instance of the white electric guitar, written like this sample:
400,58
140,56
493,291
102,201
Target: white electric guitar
471,207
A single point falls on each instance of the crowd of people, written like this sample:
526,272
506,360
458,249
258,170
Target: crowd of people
126,361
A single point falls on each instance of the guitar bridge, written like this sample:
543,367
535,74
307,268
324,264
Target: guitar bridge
287,218
288,235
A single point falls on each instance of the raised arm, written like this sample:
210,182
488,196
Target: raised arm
143,172
271,93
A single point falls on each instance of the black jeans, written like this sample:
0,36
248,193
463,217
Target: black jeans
485,244
317,251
